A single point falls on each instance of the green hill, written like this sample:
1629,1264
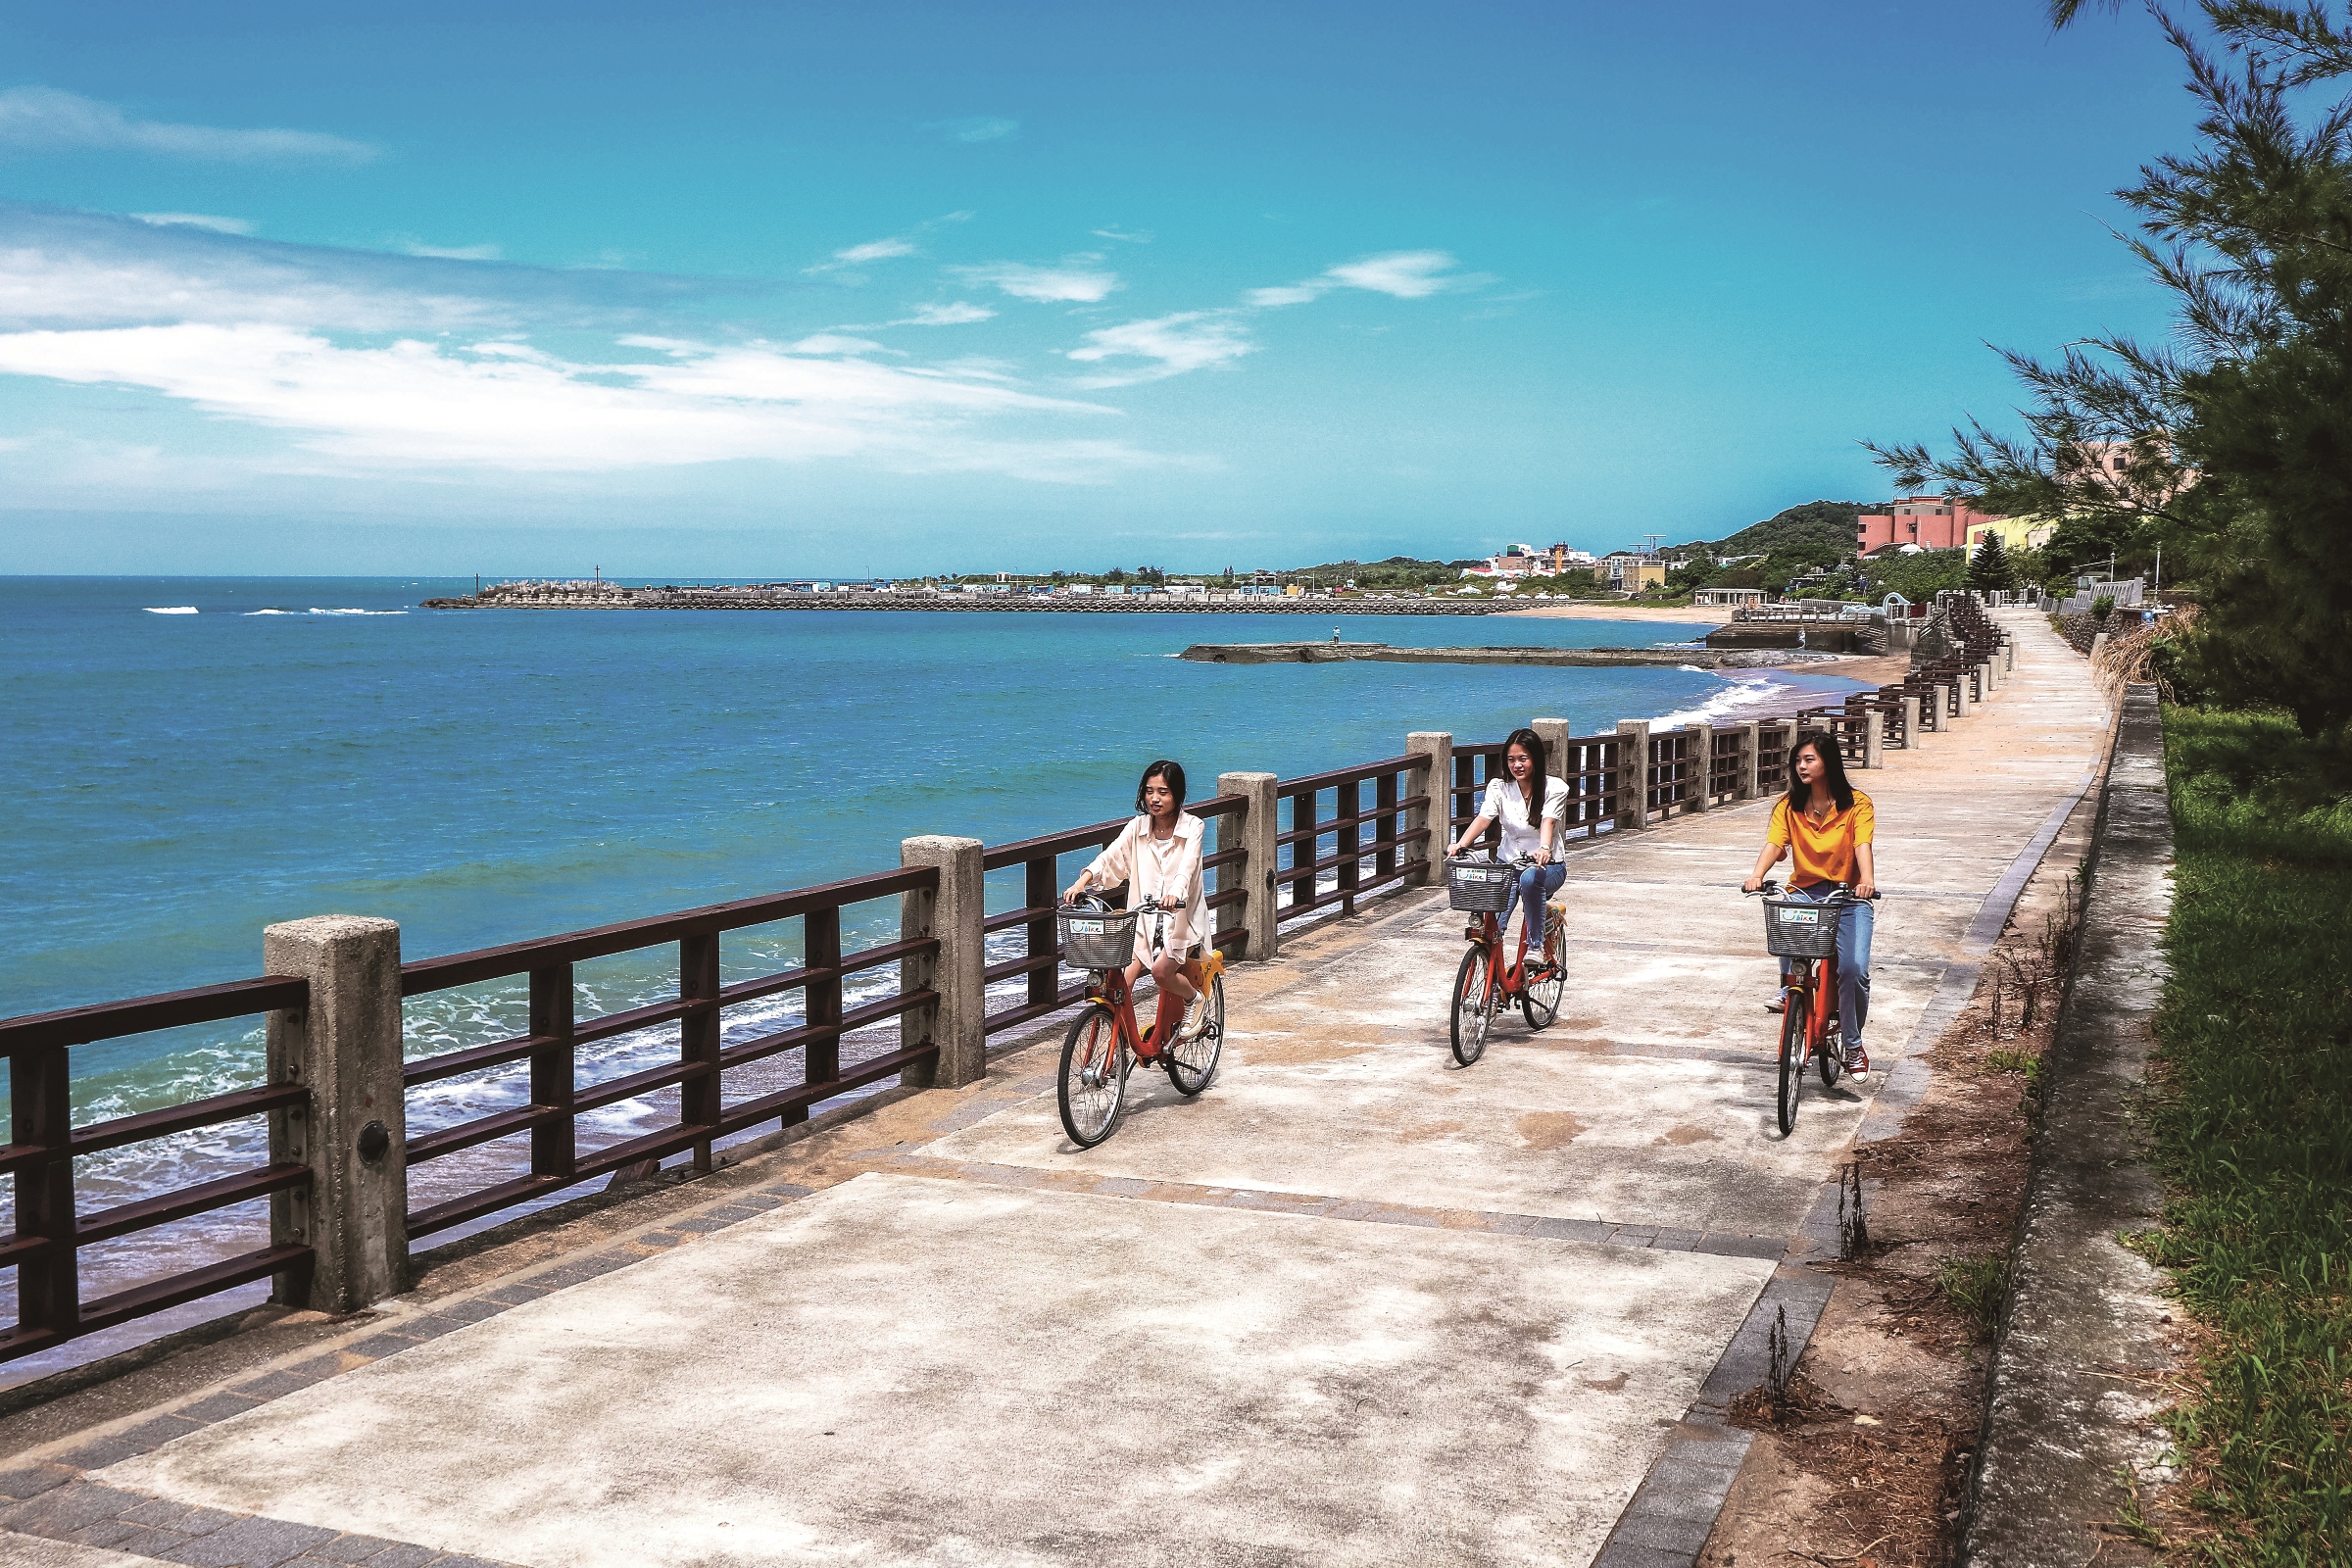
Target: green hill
1817,532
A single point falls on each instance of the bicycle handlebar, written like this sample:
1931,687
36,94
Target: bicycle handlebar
1772,890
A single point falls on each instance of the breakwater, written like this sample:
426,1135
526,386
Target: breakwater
1335,651
567,596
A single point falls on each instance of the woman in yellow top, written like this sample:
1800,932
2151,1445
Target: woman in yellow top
1827,825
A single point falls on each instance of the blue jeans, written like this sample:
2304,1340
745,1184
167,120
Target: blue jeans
1854,959
1536,884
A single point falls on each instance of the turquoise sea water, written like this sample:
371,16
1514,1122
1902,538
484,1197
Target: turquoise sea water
269,749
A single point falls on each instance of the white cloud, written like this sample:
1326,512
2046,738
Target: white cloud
1191,340
218,226
1073,283
409,403
1291,294
873,250
1401,275
47,119
1141,236
453,253
1405,274
959,314
835,343
983,127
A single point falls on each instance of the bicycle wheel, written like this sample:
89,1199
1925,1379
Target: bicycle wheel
1473,1006
1832,1056
1540,1001
1191,1061
1094,1077
1794,1024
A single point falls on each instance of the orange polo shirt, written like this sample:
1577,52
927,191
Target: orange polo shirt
1823,852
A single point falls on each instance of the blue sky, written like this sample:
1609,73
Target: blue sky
710,290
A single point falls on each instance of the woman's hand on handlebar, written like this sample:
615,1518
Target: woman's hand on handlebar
1069,895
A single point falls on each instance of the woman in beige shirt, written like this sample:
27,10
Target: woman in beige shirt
1159,854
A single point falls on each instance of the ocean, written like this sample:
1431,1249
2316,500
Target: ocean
190,760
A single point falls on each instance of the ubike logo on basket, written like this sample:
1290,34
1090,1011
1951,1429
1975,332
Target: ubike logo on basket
1800,917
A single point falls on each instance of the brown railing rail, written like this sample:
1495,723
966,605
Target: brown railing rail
1305,863
558,1100
43,1144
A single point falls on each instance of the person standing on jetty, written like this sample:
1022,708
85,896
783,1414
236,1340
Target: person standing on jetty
1827,825
1534,834
1159,853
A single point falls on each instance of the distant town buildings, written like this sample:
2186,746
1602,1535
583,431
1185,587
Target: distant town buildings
1526,560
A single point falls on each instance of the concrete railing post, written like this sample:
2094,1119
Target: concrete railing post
1254,833
1874,738
1553,733
1435,779
354,1135
1751,757
1960,695
2009,656
1703,763
1633,774
1910,722
957,914
1987,679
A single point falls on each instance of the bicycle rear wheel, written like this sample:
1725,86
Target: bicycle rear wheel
1473,1006
1191,1061
1093,1090
1540,1001
1832,1056
1794,1024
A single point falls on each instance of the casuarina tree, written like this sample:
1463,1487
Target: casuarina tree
1989,570
2230,446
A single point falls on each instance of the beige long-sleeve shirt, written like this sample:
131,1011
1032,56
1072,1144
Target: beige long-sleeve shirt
1165,869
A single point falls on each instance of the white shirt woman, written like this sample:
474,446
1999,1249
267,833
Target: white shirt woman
1157,855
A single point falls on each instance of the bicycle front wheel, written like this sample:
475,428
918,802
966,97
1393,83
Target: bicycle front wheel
1473,1006
1794,1024
1539,1003
1191,1061
1094,1077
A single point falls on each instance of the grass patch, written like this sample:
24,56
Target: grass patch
2253,1128
2002,1059
1975,1287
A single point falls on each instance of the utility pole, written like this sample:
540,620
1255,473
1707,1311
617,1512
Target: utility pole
2158,586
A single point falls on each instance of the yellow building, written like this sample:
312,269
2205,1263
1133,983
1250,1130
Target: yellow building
2029,532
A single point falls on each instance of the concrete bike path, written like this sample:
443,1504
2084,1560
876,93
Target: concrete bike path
1353,1305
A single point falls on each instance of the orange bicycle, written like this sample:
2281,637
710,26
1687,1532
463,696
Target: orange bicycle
1486,983
1805,934
1103,1042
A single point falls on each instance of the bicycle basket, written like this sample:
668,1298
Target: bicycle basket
1097,938
1796,929
1480,885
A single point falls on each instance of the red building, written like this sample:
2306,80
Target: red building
1932,522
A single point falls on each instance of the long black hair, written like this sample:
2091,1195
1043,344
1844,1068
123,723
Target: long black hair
1528,741
1832,771
1173,772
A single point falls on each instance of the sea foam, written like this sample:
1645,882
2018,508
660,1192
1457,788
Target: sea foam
171,610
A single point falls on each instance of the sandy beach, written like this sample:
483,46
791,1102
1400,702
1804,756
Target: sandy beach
1711,614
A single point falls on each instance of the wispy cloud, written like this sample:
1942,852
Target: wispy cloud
1141,236
218,226
1399,274
1190,340
1068,284
873,250
453,253
368,364
979,127
36,120
959,314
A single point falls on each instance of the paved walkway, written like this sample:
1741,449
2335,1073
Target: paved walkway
1353,1305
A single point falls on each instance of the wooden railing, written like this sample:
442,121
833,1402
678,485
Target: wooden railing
43,1144
550,1120
1358,864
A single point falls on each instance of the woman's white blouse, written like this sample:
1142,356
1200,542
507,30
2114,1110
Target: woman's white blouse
1162,868
1507,807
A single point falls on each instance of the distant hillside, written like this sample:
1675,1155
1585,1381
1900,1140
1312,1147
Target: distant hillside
1817,532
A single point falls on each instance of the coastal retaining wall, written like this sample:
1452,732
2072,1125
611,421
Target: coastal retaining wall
2078,1368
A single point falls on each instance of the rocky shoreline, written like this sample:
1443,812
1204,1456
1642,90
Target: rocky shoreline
1331,653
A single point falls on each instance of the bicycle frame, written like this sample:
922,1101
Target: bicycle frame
1503,979
1812,984
1110,988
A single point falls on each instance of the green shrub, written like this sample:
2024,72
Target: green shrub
2102,607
